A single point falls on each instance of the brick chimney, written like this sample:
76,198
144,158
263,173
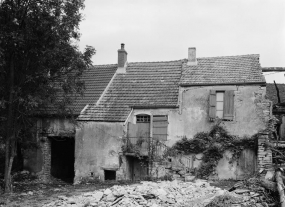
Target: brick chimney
122,56
192,56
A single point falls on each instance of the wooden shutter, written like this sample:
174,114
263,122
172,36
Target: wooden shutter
212,105
229,105
160,124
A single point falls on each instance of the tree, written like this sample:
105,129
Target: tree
39,60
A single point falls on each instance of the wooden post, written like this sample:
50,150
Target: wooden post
280,187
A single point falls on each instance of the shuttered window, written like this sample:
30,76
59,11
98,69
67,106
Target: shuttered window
229,105
212,105
160,124
221,105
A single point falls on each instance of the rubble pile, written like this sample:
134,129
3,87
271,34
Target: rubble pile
155,194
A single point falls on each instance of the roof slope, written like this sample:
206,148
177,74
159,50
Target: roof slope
96,79
143,84
271,92
223,70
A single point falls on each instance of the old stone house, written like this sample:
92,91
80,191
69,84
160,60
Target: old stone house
56,134
137,103
167,101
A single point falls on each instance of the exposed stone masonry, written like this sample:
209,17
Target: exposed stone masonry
264,155
45,174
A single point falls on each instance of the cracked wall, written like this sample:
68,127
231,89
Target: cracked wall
251,109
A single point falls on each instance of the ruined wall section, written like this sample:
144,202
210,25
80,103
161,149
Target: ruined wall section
38,160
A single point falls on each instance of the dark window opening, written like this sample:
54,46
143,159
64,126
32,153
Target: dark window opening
143,118
110,174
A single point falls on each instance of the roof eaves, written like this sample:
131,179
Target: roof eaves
155,107
98,120
213,84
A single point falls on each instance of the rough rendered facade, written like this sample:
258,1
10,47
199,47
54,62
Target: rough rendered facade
168,101
165,102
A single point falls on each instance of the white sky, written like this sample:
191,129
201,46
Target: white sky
162,30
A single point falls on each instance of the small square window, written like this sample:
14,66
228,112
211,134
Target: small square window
110,174
143,118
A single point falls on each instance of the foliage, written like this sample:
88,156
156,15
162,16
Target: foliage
213,145
39,62
134,148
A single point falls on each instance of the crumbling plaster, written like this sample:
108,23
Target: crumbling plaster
251,112
251,109
97,148
57,126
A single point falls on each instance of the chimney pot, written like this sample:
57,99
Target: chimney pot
192,56
122,46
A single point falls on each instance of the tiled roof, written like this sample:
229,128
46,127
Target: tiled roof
96,79
144,84
271,92
223,70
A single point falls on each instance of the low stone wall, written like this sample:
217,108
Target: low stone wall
245,166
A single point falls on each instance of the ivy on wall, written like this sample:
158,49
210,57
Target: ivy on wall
213,145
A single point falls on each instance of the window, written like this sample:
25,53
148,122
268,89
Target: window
221,105
143,124
143,118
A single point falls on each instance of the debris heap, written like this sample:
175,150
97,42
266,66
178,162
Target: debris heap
152,194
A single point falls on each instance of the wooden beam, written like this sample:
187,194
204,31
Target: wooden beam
273,69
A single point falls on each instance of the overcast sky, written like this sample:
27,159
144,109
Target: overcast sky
162,30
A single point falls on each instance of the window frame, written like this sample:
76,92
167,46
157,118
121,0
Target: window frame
228,105
143,118
223,102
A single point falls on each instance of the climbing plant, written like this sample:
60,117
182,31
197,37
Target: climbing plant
213,145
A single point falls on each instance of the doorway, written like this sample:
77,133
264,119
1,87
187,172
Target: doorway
137,168
62,158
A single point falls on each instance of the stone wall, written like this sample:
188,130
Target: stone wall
264,158
98,148
39,160
45,173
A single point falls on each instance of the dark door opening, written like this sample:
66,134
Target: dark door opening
62,158
137,168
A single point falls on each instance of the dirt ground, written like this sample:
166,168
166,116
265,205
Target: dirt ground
27,194
37,194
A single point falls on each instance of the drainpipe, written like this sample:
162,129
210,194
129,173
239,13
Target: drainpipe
128,117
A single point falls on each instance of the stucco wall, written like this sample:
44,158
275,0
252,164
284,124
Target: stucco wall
58,126
251,110
251,115
97,147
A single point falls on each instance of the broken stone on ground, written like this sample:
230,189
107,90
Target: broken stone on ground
164,193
